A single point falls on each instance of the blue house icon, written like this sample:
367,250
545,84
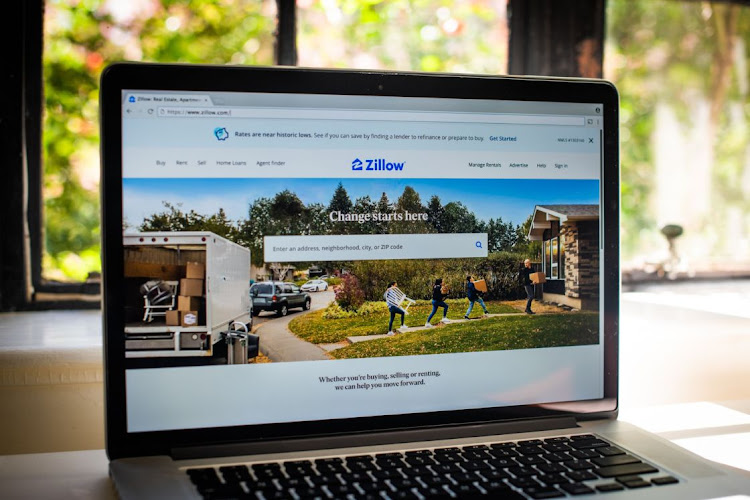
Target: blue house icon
131,99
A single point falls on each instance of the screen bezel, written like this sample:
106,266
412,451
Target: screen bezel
173,77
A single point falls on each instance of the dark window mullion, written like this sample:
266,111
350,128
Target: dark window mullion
286,33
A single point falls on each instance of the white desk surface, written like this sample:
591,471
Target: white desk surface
719,432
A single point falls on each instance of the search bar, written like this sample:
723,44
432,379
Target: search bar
369,115
373,247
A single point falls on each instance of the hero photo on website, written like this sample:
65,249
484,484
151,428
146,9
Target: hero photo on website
390,243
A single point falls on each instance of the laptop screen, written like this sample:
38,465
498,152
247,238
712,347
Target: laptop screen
293,257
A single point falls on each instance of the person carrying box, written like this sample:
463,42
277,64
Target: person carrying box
439,293
473,296
527,285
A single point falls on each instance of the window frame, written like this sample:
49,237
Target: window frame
22,285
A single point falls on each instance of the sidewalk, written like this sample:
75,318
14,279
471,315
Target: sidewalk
365,338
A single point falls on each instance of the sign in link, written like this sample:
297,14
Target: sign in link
374,247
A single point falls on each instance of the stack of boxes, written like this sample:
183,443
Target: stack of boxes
190,298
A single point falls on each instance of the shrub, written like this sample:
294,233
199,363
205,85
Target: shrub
350,296
334,311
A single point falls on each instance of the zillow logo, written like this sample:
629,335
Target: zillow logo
221,133
131,99
377,164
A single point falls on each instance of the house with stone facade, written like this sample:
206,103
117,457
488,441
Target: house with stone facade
570,253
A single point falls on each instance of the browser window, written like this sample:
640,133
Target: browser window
414,218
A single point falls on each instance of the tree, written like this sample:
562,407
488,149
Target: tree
365,206
80,39
409,207
341,203
173,219
384,207
458,219
435,213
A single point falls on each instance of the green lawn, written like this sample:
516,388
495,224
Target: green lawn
312,327
493,334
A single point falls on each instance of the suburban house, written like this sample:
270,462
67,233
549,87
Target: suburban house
570,253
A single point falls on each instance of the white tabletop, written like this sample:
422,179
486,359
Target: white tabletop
716,431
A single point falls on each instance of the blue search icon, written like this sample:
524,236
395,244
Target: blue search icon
478,244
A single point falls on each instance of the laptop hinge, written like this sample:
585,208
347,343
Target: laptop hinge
371,439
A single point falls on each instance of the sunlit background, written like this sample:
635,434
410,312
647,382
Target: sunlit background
681,68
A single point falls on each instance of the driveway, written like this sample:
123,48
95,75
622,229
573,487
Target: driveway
279,344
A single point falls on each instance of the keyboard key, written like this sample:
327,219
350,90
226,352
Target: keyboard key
607,487
609,451
589,444
584,454
435,480
465,490
433,492
551,468
582,437
576,488
419,460
530,442
474,466
557,457
625,470
556,447
660,481
551,479
446,468
530,460
557,440
524,482
582,475
504,453
636,483
501,463
615,460
403,483
418,471
386,474
578,465
465,477
477,447
421,453
530,450
544,492
494,475
522,471
496,446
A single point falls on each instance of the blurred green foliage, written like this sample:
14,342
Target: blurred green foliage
80,38
681,55
416,35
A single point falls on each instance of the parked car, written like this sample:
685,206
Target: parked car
279,297
314,286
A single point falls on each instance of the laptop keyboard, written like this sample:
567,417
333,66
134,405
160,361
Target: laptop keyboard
539,468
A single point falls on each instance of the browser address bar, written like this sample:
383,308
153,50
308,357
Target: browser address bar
371,115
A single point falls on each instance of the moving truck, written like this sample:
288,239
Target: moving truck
183,291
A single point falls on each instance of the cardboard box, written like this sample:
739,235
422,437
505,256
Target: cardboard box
538,278
188,303
480,285
173,318
189,318
191,287
195,270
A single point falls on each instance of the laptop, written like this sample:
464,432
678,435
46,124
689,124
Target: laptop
361,284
